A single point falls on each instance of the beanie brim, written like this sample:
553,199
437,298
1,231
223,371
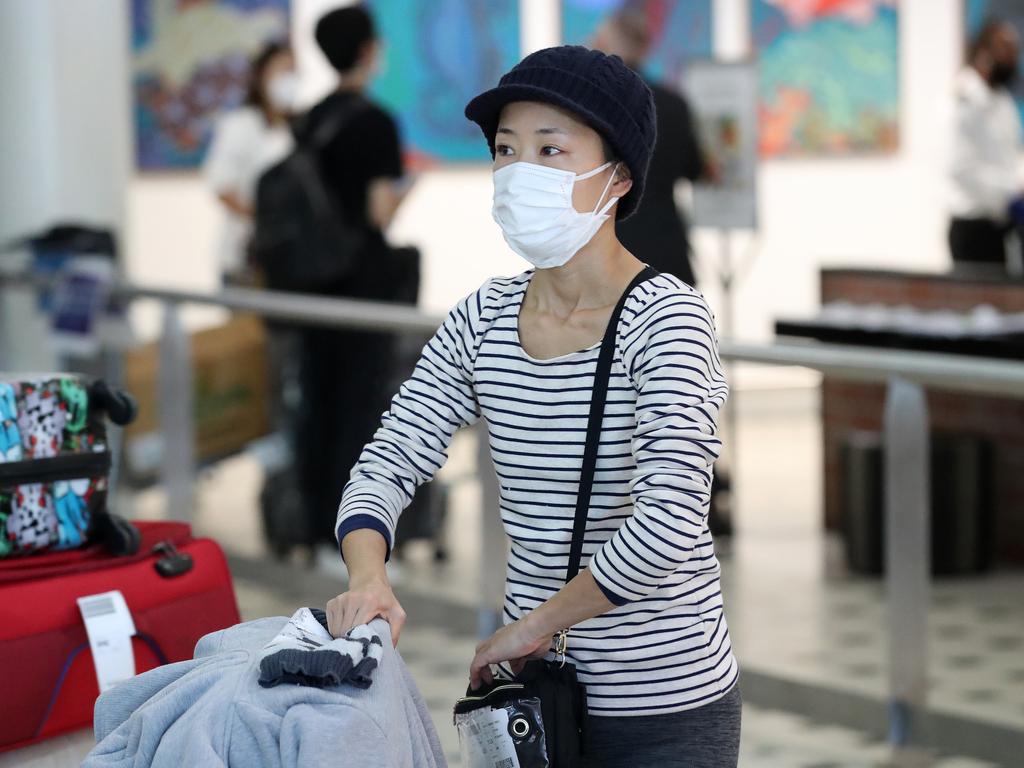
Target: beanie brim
485,111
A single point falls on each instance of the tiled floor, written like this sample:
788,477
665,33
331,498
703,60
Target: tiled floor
438,657
794,614
793,609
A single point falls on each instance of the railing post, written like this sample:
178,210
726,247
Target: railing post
907,557
493,548
177,471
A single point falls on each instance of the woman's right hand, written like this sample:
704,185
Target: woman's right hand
369,592
364,601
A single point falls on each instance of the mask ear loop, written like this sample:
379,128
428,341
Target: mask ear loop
588,174
611,200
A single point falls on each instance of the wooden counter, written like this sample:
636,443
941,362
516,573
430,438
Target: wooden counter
850,406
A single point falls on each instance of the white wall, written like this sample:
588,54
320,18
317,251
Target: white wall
884,211
64,120
64,137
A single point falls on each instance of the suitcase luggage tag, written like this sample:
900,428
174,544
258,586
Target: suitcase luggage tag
501,728
109,627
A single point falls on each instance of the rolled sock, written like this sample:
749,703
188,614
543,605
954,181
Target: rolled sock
304,653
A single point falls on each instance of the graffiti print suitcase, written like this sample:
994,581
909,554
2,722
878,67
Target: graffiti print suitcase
54,459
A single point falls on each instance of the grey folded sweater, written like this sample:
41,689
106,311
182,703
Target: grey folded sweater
211,711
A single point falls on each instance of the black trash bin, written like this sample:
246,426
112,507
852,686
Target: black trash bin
962,508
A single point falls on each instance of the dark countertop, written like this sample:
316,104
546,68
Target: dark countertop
1008,346
977,275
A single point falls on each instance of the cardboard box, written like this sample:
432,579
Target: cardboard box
231,397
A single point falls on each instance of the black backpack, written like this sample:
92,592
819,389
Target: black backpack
301,239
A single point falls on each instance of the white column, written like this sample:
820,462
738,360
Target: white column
730,29
65,137
540,25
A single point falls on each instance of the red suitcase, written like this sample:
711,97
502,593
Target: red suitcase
49,679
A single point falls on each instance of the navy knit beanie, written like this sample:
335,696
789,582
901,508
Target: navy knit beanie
599,89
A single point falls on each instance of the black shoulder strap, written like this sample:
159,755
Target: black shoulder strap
306,159
597,401
318,137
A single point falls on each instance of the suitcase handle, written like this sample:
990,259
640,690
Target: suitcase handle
120,407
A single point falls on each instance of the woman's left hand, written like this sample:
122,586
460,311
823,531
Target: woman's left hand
515,643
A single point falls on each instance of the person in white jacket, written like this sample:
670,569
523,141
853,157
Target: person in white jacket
246,142
986,173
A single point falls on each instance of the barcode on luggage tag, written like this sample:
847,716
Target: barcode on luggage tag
96,606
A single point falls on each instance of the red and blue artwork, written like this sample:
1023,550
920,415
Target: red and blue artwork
190,60
438,54
978,11
829,76
680,30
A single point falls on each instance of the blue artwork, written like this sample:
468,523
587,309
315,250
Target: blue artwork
438,54
680,30
829,76
190,60
977,11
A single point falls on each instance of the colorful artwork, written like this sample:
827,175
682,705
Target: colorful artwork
438,54
191,61
829,76
978,11
681,30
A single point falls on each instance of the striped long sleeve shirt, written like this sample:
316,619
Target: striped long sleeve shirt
665,646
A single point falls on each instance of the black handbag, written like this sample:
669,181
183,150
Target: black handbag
541,715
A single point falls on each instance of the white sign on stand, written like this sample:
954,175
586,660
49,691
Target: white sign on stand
724,100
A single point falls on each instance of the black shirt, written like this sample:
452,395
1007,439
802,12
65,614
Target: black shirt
657,232
366,148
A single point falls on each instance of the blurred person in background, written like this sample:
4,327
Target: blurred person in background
571,131
985,174
658,233
344,373
246,142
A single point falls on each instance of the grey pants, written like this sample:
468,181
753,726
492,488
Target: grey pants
706,737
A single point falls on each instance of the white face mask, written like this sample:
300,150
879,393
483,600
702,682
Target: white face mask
533,207
282,90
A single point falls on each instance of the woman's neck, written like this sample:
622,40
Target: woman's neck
595,277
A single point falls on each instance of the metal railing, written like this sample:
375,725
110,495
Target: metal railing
907,508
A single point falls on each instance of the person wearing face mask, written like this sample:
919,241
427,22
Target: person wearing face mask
572,131
985,172
246,142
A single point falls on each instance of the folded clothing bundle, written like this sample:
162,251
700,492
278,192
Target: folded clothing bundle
305,653
212,711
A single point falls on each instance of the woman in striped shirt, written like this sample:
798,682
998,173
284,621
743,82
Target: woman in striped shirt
571,132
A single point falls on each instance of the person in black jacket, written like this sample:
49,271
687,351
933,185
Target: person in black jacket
658,232
344,373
